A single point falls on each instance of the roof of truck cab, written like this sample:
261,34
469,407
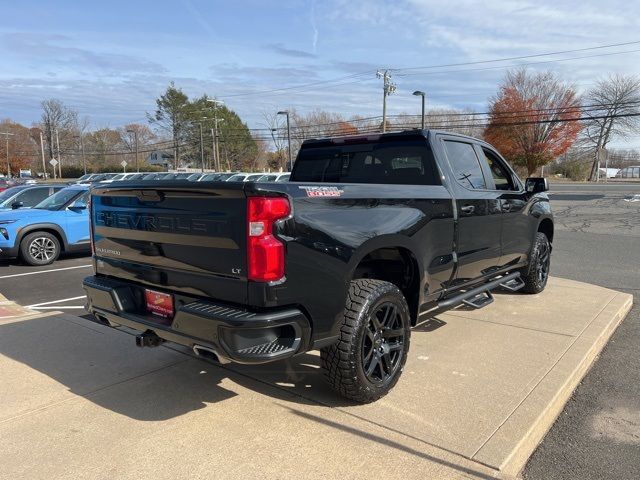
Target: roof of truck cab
416,132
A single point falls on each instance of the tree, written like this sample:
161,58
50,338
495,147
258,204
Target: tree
237,147
22,149
533,118
172,111
143,133
56,117
613,111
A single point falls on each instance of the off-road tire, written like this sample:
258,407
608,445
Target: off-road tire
535,276
39,248
345,360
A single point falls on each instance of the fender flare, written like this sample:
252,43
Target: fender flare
43,226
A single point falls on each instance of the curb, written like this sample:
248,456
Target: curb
539,410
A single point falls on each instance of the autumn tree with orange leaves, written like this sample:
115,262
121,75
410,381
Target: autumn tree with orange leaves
533,118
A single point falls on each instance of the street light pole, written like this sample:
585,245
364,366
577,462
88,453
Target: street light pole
135,136
421,94
286,113
7,134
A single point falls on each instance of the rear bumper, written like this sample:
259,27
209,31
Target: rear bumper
234,333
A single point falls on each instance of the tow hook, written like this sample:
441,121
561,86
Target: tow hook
148,339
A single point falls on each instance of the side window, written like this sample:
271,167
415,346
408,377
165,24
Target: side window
84,198
465,164
33,196
501,175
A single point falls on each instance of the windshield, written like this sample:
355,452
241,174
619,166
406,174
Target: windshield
120,176
60,199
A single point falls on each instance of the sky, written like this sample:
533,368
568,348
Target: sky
110,60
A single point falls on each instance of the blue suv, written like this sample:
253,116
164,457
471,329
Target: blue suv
58,224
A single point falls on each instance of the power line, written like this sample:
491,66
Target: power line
499,67
522,57
425,67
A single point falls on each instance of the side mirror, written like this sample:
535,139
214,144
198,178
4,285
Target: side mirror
16,205
78,205
536,185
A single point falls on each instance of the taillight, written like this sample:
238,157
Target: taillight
265,253
90,208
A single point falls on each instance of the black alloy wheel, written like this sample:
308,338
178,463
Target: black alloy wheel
382,344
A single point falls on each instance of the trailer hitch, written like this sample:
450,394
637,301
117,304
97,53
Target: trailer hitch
148,339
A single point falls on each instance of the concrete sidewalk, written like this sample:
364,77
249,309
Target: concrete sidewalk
479,391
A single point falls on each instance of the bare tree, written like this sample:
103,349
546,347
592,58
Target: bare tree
278,160
57,116
613,106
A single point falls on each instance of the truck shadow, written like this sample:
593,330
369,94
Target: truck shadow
104,366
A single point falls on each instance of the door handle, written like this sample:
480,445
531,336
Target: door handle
468,209
506,207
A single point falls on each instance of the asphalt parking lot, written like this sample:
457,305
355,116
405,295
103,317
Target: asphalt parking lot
597,241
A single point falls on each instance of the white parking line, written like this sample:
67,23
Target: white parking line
44,271
56,301
73,307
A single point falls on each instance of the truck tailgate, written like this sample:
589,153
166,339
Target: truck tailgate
173,236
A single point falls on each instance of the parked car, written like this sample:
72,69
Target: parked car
268,177
26,195
245,177
84,178
238,177
5,183
274,177
58,224
122,177
372,235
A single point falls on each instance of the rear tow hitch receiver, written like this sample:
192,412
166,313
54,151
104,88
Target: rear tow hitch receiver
148,339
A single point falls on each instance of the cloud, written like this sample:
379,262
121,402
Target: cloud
289,52
57,51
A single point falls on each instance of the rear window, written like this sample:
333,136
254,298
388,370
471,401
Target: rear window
406,162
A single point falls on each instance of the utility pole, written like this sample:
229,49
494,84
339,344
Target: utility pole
214,133
7,134
286,113
387,89
135,136
84,158
59,159
201,147
213,150
216,139
44,165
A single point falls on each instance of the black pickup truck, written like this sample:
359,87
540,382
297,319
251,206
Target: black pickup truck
372,235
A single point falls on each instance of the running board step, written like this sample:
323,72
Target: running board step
470,297
513,285
480,300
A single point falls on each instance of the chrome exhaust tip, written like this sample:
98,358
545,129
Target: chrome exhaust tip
209,354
